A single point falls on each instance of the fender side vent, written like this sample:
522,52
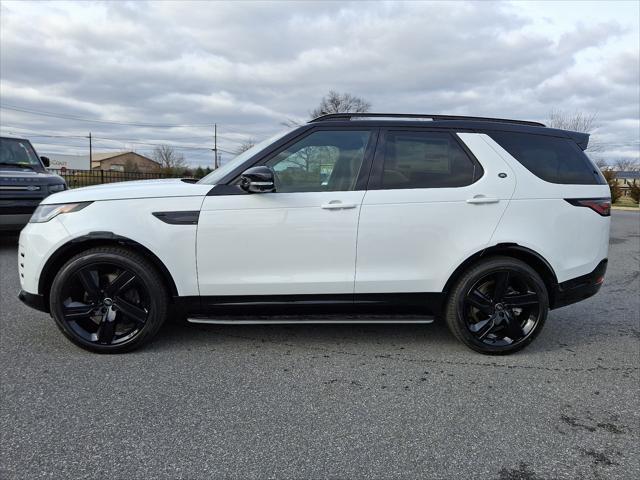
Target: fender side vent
188,217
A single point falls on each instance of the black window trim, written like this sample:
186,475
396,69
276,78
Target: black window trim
375,178
228,185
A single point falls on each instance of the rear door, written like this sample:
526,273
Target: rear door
433,201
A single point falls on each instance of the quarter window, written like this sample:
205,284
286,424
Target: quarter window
426,160
553,159
322,161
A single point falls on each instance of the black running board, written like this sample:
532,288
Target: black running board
312,319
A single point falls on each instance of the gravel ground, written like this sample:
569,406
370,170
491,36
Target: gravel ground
311,402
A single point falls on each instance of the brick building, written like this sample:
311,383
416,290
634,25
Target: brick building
119,161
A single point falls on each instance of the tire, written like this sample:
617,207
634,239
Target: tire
498,306
108,300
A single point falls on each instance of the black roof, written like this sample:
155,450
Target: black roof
417,116
473,124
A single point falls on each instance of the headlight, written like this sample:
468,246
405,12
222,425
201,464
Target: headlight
44,213
58,187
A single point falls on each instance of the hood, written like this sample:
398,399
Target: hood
23,183
8,173
170,187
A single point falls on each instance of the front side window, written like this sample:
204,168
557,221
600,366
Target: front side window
322,161
219,173
426,160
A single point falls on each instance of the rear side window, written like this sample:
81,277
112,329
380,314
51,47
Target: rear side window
553,159
426,160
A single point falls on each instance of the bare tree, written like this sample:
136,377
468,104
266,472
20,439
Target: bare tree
577,122
601,163
168,158
627,165
334,102
244,146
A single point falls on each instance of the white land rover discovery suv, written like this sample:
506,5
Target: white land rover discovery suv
486,223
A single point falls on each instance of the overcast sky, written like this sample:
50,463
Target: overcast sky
250,66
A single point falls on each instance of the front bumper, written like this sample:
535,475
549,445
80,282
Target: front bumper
15,213
14,222
33,300
580,288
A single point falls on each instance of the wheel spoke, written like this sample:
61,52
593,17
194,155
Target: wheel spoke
106,330
480,301
520,300
482,328
104,302
73,312
501,286
90,283
513,329
131,311
119,283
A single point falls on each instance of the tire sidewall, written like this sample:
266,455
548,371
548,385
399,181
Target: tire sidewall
455,309
157,298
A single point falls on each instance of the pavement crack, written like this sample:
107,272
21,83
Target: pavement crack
433,361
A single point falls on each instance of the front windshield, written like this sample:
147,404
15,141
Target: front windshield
18,152
219,173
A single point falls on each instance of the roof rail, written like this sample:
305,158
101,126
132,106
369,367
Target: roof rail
418,116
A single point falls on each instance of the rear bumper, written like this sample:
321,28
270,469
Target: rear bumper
580,288
33,300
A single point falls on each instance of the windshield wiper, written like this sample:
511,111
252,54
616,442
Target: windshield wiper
19,165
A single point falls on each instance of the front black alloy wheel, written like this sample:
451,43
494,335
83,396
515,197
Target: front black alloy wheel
498,306
108,300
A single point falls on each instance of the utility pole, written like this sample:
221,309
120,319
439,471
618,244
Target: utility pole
215,146
90,153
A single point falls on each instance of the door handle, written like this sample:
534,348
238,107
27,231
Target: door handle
478,199
338,205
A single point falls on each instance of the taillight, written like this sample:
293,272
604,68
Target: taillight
601,206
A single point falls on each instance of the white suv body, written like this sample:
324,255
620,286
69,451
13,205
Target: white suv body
365,212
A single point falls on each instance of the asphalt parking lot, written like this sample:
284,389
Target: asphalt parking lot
313,402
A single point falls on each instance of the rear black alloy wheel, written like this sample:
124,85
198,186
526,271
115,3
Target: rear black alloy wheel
108,300
498,306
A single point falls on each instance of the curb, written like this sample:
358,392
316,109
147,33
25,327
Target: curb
627,209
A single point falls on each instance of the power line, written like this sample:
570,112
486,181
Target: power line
124,140
84,147
81,119
37,134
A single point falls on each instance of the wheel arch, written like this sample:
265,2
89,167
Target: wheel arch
530,257
98,239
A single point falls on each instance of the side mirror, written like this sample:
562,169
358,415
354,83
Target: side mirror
45,161
258,180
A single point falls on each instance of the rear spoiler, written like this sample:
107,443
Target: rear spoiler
581,139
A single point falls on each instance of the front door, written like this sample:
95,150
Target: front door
300,239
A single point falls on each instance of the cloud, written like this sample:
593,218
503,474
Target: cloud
250,65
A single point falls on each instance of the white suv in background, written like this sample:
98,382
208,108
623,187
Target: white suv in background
486,223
